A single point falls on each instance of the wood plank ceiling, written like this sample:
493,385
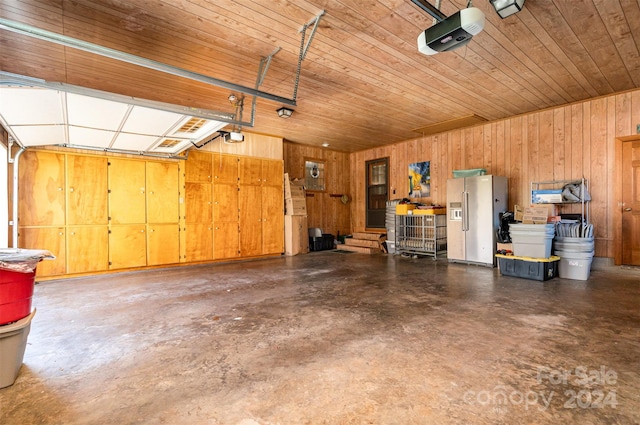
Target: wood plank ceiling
363,82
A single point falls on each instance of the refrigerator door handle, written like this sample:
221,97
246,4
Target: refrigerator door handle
465,211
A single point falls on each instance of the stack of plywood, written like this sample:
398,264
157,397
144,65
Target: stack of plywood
296,239
364,242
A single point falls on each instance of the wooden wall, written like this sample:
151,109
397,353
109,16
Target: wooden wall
325,209
257,145
553,144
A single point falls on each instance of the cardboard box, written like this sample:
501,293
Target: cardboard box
293,191
296,239
518,212
550,209
295,206
535,215
504,246
293,188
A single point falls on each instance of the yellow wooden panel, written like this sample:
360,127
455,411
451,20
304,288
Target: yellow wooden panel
127,191
87,249
515,171
199,242
249,204
41,189
448,125
272,172
198,167
163,192
163,244
50,238
225,240
546,146
272,220
598,186
198,202
249,170
487,149
86,190
559,131
225,168
255,145
127,246
225,203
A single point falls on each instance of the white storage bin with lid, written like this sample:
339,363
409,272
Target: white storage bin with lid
532,240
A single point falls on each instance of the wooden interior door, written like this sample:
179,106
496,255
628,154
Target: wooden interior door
127,203
87,249
50,238
272,220
163,244
86,190
198,167
42,189
250,213
225,168
127,246
631,203
198,202
163,193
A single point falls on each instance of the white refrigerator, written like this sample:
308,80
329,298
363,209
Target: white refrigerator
474,205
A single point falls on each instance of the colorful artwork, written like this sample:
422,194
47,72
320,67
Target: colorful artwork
420,180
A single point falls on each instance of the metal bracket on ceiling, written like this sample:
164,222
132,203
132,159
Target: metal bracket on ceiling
262,72
264,66
313,24
431,9
304,47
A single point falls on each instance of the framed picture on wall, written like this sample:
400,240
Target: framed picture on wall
420,180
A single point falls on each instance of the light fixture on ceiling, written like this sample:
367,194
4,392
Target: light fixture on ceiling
284,112
325,145
506,8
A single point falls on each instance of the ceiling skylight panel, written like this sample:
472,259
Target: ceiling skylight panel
23,106
83,136
149,121
96,113
40,135
134,142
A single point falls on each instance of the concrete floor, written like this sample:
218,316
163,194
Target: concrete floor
331,338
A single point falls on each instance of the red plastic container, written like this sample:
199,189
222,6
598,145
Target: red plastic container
16,291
